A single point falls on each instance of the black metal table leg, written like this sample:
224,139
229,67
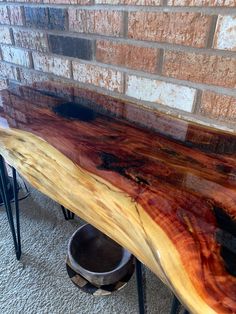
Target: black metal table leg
67,214
15,229
16,201
176,306
139,280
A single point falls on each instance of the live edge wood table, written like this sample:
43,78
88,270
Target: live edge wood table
161,187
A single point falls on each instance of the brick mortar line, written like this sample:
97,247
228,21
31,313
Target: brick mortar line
23,15
160,61
124,82
71,71
125,24
203,120
141,43
31,60
48,45
8,14
12,36
212,31
199,86
131,8
94,50
66,20
197,102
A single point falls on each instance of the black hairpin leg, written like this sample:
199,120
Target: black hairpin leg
15,227
139,280
176,306
67,214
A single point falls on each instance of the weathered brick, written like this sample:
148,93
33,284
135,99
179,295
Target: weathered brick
203,3
46,18
68,1
218,106
225,35
52,64
9,71
185,28
3,84
16,55
71,46
131,2
175,96
5,36
202,68
130,56
28,76
4,18
57,19
15,15
31,39
96,21
36,17
99,76
26,1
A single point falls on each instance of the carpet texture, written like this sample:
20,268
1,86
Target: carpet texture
39,283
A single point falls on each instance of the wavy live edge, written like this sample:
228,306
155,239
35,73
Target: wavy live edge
164,189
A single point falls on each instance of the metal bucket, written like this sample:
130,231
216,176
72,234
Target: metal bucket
98,258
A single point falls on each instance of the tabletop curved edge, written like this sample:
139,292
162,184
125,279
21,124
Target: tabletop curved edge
167,194
103,205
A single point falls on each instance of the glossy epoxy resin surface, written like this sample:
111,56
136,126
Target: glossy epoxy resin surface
163,188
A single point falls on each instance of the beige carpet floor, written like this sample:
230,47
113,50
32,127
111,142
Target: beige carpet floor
39,283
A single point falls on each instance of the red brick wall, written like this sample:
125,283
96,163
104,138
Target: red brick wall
175,55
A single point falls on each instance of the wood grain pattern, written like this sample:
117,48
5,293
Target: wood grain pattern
167,193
